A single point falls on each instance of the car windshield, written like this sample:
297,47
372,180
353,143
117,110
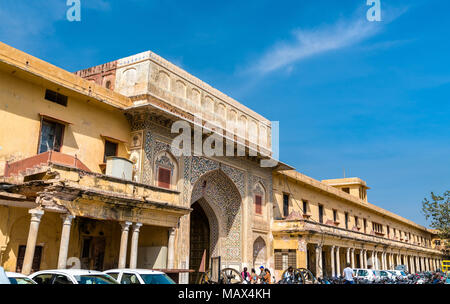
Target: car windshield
157,279
403,273
21,281
95,279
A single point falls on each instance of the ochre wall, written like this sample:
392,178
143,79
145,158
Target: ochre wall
20,105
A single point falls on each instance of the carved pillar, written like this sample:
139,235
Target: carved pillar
124,244
65,238
338,263
171,249
333,269
319,269
134,245
352,253
36,215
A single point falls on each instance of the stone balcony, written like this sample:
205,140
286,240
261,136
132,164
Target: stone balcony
61,188
302,227
149,79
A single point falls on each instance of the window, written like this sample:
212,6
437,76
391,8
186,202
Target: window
305,207
51,136
365,226
388,231
130,279
56,97
356,222
346,190
62,280
114,275
110,150
346,220
285,258
86,249
45,279
335,216
437,242
36,260
378,228
286,205
258,204
321,214
164,177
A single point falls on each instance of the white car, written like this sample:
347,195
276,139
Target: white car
71,276
367,274
398,273
139,276
19,279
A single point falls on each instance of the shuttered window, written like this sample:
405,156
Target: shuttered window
285,258
258,204
164,178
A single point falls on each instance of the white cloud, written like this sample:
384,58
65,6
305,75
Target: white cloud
308,43
320,40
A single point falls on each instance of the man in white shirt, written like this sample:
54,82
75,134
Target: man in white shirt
348,275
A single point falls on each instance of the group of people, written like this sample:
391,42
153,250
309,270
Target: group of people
264,276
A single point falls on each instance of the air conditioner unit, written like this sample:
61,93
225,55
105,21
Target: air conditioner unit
119,167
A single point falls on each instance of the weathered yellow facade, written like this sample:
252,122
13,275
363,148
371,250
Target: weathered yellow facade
347,228
65,207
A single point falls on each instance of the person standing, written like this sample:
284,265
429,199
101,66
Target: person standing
253,277
348,275
261,274
245,275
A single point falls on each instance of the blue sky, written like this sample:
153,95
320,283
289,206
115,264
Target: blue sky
372,98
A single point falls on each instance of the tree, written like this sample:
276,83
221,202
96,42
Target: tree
438,211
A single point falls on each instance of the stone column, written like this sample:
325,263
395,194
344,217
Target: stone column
406,262
333,268
361,258
365,259
383,261
419,269
65,237
338,263
352,253
36,215
134,245
124,244
319,269
347,261
171,249
373,259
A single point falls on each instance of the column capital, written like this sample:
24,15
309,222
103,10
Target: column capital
125,225
67,218
172,231
137,227
319,246
36,214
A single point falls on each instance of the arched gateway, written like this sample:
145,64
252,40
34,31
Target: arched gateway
216,221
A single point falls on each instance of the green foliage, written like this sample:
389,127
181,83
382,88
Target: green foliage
437,211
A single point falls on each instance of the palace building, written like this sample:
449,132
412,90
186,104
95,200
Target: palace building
324,225
89,178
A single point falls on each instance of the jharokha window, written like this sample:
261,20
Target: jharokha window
51,136
258,204
164,177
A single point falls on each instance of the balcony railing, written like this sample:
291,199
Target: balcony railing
49,157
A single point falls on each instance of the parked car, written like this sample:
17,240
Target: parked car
71,276
3,278
398,273
367,274
139,276
19,279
